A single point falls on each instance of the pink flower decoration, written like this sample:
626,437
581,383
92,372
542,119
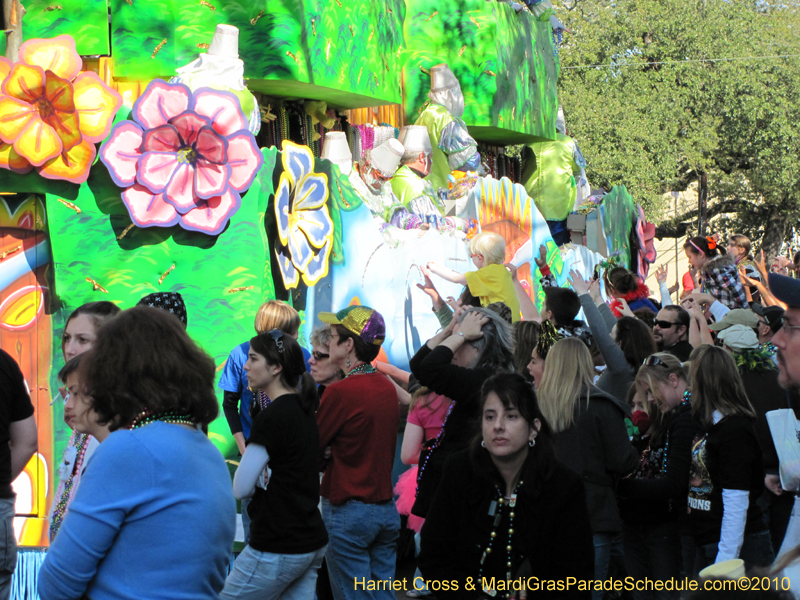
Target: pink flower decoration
184,159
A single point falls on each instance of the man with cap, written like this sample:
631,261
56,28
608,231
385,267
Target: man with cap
415,193
358,420
454,149
770,319
737,316
370,179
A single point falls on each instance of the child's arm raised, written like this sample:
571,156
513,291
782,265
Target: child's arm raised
447,274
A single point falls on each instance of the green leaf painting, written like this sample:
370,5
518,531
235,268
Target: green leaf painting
84,20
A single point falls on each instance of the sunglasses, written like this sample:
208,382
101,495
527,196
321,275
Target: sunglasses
318,356
654,361
665,324
277,337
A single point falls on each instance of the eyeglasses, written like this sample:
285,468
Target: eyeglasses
277,336
378,175
318,356
654,361
665,324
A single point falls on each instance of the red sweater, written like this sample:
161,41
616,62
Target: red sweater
358,418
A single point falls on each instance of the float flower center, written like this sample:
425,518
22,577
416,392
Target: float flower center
187,155
44,107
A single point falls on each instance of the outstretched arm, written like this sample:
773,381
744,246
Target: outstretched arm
447,274
526,305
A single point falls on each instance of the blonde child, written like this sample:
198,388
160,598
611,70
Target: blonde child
492,282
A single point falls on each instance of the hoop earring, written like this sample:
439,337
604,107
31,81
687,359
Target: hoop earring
483,445
532,443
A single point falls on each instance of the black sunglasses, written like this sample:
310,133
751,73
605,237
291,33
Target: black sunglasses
664,324
277,336
319,355
654,361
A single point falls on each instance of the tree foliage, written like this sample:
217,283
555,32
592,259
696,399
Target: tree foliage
662,108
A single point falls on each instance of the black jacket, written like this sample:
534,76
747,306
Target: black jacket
551,528
598,449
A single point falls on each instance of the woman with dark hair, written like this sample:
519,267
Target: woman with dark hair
287,535
506,510
653,498
526,337
155,482
624,343
727,475
80,333
455,363
717,272
622,284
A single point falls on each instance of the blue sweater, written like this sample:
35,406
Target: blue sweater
153,518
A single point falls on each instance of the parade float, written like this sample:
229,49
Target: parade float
224,152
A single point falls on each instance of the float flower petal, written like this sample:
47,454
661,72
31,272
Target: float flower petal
212,146
213,215
164,138
210,179
148,209
245,160
96,104
299,248
318,267
316,225
297,161
156,169
160,102
5,68
222,108
311,193
73,165
38,142
24,82
120,154
290,275
57,54
9,159
283,198
180,191
188,125
15,116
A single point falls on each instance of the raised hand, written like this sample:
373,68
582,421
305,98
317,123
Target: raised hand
579,284
541,260
661,273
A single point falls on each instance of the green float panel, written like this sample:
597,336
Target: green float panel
84,20
504,61
346,52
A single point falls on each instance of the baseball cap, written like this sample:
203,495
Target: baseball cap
772,314
367,323
739,337
785,289
738,316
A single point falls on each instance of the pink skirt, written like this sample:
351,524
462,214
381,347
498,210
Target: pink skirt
406,490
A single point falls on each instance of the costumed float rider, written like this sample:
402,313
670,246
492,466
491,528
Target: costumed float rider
419,206
453,146
549,173
370,179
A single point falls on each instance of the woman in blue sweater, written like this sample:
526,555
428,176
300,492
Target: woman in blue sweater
154,516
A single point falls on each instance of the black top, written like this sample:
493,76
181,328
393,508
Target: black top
598,449
434,369
726,457
15,405
552,536
285,517
682,350
662,498
766,394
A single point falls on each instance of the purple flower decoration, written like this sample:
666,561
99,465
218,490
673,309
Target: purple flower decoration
185,158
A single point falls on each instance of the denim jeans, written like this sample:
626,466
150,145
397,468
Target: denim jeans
267,576
8,555
653,552
607,548
756,552
362,546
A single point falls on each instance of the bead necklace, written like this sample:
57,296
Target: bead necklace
687,401
66,496
436,443
364,369
145,418
497,510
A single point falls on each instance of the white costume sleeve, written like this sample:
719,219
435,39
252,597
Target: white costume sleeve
250,472
734,519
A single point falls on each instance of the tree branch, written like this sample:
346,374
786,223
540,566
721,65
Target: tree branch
677,227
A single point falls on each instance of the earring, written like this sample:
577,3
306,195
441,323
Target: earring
347,362
482,444
532,443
